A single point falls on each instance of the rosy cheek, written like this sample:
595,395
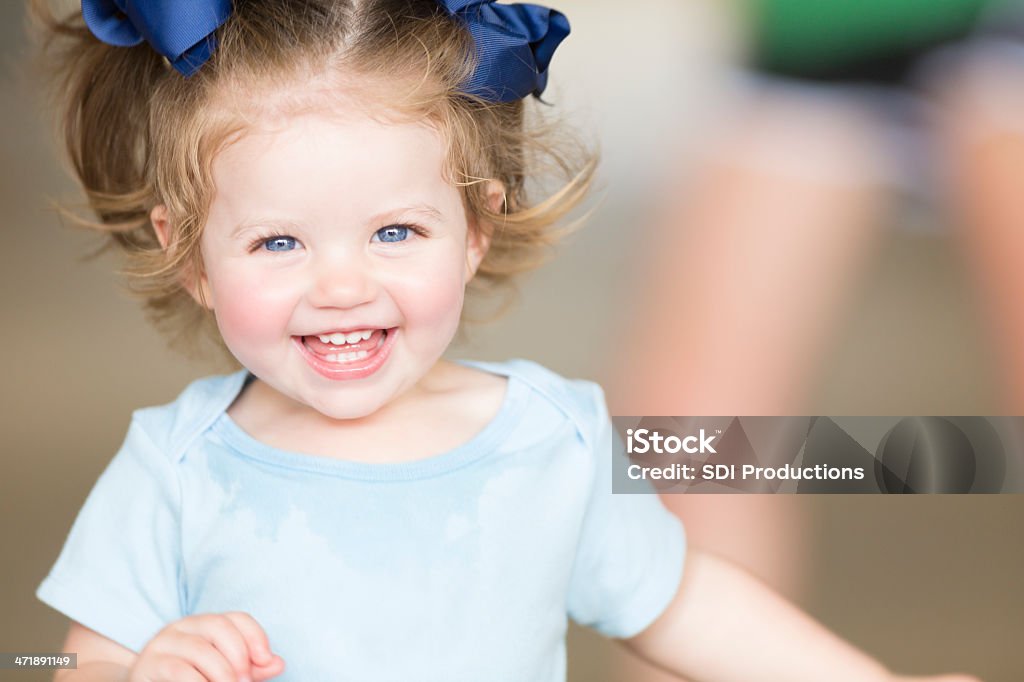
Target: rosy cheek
432,301
248,310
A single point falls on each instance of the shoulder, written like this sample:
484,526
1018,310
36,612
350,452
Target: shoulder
577,401
173,426
156,442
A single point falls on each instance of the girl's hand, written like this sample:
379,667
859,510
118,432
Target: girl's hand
211,647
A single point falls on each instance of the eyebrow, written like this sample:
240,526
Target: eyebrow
257,223
382,217
424,209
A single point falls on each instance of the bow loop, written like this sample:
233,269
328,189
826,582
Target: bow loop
514,44
180,30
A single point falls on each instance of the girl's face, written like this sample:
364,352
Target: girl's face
336,258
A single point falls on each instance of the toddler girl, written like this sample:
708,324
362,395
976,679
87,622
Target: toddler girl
323,179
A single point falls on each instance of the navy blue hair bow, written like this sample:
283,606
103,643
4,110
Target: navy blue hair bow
180,30
514,46
514,42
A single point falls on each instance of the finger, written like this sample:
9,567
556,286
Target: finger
222,633
255,637
209,660
266,672
166,668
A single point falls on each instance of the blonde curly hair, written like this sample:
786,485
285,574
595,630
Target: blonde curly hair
139,135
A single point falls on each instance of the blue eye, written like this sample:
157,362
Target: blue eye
280,243
391,233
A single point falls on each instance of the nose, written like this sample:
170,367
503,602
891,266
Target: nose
342,280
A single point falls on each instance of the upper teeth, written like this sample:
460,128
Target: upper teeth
339,338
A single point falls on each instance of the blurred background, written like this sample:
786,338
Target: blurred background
803,238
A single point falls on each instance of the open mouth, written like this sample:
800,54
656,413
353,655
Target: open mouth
347,355
345,348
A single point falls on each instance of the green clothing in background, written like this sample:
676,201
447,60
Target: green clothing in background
814,38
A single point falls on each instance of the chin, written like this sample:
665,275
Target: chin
348,409
347,413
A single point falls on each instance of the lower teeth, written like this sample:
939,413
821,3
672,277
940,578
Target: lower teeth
346,357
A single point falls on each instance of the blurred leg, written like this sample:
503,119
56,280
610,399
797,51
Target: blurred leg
750,265
746,274
983,134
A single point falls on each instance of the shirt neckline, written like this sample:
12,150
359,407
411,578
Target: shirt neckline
482,443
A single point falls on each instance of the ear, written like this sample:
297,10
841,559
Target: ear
158,216
196,286
478,237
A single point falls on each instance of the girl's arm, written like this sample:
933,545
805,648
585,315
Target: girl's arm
99,659
725,626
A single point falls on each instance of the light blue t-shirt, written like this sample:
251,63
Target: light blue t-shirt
458,567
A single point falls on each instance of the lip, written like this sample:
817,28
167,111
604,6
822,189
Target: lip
348,330
354,370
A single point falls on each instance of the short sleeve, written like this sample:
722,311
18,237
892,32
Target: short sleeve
119,571
630,557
